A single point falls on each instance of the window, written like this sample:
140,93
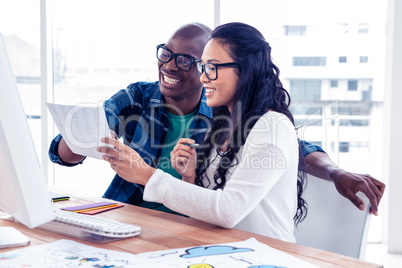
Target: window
344,147
308,122
352,110
352,85
105,55
343,59
334,83
363,28
22,41
305,89
95,58
302,110
354,122
295,30
309,61
363,59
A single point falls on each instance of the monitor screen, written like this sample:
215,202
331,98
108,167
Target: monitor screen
23,192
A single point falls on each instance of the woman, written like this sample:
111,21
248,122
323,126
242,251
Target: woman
246,173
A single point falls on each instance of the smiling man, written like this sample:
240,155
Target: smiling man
144,112
152,117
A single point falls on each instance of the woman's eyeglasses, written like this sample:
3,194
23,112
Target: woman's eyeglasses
211,69
183,62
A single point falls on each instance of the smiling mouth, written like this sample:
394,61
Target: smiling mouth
210,90
170,81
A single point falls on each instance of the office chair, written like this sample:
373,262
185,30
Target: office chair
333,223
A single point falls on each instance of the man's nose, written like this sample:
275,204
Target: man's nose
171,65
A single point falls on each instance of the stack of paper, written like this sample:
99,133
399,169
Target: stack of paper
93,208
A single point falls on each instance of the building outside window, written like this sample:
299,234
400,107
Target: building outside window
344,147
305,89
363,59
295,30
309,61
352,85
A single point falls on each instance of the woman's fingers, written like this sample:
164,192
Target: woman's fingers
186,141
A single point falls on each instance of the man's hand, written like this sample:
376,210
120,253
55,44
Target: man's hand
349,184
126,162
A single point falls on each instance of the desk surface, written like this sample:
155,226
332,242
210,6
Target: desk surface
161,231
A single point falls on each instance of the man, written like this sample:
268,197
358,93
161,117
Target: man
144,112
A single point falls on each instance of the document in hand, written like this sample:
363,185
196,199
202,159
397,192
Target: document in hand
82,127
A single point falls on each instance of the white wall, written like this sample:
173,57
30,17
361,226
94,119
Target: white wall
393,125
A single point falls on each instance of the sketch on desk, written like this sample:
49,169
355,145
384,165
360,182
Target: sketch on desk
200,265
212,250
246,254
161,254
67,253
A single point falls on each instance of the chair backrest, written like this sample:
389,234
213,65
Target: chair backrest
333,223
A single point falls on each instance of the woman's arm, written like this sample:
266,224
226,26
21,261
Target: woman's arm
251,181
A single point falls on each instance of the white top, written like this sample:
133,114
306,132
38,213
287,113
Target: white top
260,195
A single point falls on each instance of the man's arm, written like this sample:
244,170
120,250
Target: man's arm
67,155
60,153
347,183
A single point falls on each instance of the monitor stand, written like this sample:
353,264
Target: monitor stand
11,237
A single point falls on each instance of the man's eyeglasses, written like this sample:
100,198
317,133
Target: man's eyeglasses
183,62
211,69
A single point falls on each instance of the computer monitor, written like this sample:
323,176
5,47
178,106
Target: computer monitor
23,193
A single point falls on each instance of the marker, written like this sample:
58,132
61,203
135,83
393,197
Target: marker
194,145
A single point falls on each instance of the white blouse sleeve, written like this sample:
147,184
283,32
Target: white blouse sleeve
264,159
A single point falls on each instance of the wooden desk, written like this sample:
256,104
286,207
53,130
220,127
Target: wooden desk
161,231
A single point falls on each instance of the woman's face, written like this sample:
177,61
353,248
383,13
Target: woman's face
219,92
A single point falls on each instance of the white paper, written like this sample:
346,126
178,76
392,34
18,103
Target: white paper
82,127
245,254
66,253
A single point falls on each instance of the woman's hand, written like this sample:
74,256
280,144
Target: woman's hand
126,162
183,158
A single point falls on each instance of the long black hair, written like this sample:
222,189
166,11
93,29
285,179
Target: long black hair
258,90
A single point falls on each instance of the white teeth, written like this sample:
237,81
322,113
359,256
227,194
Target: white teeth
210,90
170,80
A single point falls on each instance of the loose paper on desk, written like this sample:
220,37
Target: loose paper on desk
244,254
82,127
66,253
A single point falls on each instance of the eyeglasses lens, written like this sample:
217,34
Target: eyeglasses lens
208,68
164,55
182,62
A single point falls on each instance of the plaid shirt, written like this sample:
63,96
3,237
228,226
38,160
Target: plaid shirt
138,113
308,148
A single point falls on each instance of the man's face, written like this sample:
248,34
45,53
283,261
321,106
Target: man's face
175,83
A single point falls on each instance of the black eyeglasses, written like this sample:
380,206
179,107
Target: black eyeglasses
211,69
183,62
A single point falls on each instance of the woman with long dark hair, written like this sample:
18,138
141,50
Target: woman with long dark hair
245,175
